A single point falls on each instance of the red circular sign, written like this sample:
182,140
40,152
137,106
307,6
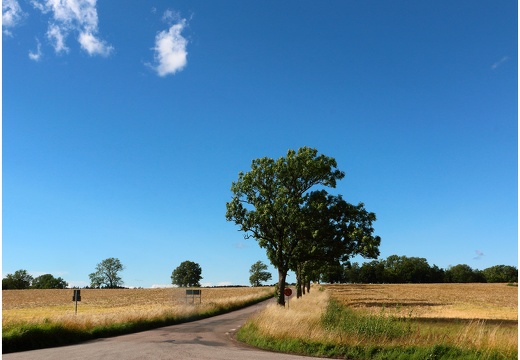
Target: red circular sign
287,292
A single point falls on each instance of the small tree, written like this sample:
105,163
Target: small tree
48,281
106,274
187,274
19,280
259,274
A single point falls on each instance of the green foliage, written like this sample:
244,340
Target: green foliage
106,274
275,204
259,274
187,274
343,319
463,274
402,269
48,281
19,280
250,334
501,274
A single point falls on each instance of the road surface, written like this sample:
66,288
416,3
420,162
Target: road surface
211,339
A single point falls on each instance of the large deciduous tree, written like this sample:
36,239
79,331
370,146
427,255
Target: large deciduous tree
259,273
47,281
187,274
107,274
21,279
281,203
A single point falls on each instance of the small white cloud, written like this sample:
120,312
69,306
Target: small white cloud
93,45
57,38
12,15
500,62
170,50
36,56
79,16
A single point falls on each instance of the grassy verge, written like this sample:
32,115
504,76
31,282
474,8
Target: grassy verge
24,336
322,327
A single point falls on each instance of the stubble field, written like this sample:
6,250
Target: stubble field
432,301
101,306
412,321
33,319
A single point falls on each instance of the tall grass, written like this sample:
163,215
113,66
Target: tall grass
319,326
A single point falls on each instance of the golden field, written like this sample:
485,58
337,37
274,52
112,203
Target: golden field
446,301
105,306
474,317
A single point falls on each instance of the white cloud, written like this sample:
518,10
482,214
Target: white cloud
12,15
500,62
93,45
79,16
170,50
57,38
36,56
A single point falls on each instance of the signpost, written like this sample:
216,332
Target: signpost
76,297
193,294
288,293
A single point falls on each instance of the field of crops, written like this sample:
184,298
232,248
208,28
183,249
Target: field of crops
446,301
448,321
114,305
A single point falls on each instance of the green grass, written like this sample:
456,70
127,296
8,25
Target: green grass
374,330
30,336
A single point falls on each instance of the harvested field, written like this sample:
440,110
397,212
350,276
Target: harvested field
451,321
435,301
114,305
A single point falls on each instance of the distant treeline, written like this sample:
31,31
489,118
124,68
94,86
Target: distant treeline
402,269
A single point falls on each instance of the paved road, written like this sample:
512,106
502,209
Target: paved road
211,339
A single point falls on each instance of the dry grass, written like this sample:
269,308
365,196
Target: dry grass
474,317
106,306
301,319
448,301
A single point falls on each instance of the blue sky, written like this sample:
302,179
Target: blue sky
124,124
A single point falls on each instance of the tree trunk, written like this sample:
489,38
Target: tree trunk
298,281
308,283
304,281
282,274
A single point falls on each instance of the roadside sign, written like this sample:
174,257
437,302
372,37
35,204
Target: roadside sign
287,292
76,297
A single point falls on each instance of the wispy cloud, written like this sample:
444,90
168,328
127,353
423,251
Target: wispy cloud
500,62
12,15
170,46
73,16
36,56
479,253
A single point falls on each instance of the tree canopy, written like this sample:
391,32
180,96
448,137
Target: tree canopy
107,274
283,204
47,281
259,274
21,279
187,274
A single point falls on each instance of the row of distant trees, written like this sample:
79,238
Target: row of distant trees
106,275
21,279
187,274
402,269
